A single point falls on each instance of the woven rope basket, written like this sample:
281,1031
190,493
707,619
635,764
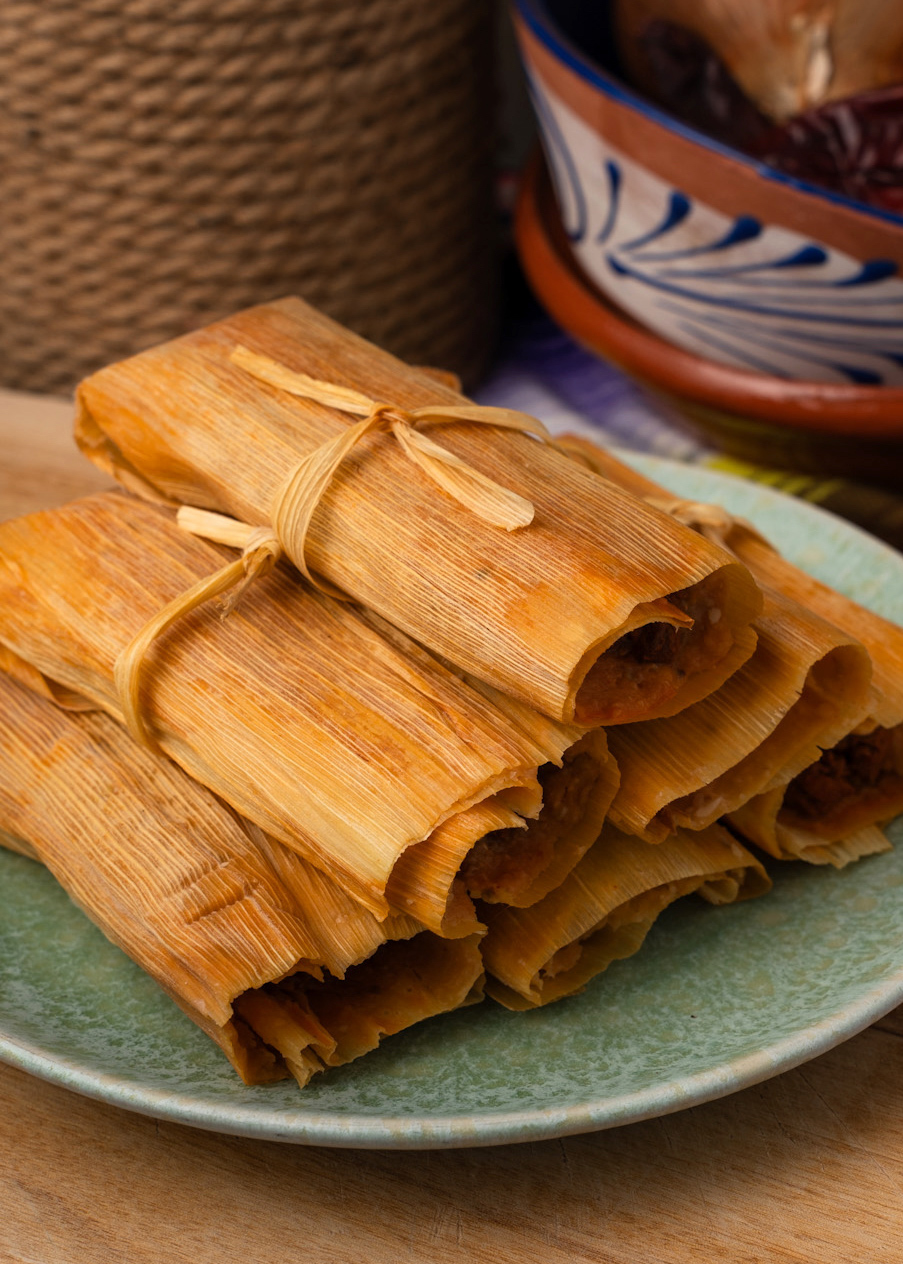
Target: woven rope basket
166,162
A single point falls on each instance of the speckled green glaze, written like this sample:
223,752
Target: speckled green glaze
717,999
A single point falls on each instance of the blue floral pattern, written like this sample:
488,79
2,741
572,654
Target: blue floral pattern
746,293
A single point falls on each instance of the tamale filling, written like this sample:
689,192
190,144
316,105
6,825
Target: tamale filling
861,765
644,669
507,861
400,985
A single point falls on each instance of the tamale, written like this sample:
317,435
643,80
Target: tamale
604,909
507,867
882,638
296,709
400,985
790,836
801,692
553,613
828,812
803,688
232,925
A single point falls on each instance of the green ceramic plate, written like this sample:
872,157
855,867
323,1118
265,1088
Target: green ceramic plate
717,999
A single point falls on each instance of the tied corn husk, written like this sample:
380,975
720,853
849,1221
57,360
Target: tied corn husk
604,909
296,709
534,612
232,925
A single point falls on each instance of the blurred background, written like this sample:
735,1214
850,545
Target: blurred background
674,224
166,162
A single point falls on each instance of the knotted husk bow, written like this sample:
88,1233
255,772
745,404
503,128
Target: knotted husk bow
299,495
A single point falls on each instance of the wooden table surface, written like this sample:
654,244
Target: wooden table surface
807,1167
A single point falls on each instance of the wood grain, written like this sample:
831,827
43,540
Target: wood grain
807,1167
40,465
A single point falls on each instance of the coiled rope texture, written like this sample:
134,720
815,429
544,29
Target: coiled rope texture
166,162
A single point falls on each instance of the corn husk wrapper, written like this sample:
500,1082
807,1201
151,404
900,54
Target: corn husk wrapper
495,855
313,1025
604,909
200,908
295,710
559,817
400,985
882,638
849,828
234,926
532,611
760,822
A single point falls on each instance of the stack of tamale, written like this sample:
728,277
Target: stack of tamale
379,786
826,802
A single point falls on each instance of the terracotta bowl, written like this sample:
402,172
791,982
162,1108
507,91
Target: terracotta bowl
718,253
856,431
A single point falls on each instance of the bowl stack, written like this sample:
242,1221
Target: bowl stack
769,310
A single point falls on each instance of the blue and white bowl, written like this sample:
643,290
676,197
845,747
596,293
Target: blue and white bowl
716,252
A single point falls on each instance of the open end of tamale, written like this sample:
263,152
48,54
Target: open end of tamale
490,853
519,866
402,984
795,844
233,926
762,822
676,652
735,885
834,688
805,687
253,1060
424,884
311,1025
285,1024
570,968
855,783
604,908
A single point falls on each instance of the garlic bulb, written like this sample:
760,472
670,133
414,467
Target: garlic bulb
787,55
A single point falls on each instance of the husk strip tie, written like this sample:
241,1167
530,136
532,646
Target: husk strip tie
711,521
297,499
